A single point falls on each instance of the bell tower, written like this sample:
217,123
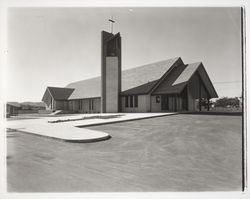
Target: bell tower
110,72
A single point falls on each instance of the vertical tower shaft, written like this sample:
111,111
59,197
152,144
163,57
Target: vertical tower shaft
110,72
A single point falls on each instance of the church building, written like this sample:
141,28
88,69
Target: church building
165,86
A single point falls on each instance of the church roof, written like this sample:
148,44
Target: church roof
89,88
187,73
165,86
161,86
131,78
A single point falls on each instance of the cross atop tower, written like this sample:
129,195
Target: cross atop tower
111,24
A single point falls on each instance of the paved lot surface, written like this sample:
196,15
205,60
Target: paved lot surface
173,153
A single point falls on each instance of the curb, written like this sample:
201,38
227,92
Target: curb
214,113
90,140
128,120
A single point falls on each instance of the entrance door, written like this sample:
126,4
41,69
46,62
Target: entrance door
164,103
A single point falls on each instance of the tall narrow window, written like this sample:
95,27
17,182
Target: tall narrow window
126,101
136,100
80,104
92,104
131,100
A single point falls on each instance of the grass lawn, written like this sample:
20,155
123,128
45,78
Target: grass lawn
172,153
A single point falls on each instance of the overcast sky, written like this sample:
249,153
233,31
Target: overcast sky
56,46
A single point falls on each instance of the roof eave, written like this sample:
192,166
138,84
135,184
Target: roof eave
139,93
216,94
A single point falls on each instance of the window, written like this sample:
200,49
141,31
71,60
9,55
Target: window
157,98
126,101
131,101
136,100
80,104
91,104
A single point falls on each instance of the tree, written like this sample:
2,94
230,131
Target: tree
225,101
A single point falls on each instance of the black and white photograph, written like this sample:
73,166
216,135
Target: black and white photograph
124,99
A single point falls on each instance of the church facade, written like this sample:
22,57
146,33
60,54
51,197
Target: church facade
166,86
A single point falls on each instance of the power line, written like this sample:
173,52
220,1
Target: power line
229,82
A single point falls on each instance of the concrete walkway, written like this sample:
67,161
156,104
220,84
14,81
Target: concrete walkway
68,131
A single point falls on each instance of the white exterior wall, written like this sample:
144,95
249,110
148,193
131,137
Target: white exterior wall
51,103
86,105
155,107
112,85
73,105
59,105
143,105
97,105
146,101
48,102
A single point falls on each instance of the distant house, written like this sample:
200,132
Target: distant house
165,86
12,108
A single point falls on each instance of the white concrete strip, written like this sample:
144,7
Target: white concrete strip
122,118
68,130
67,133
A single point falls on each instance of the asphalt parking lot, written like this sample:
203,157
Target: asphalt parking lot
172,153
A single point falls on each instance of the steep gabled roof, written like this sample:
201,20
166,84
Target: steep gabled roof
187,73
166,86
59,93
190,71
131,78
